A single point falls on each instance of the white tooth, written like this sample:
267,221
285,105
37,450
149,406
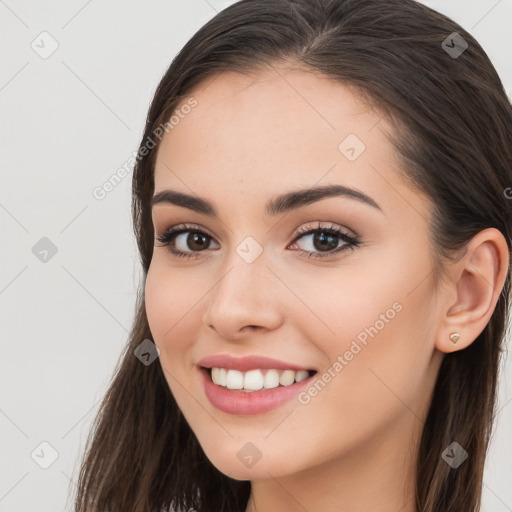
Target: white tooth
301,375
234,379
253,380
271,379
287,378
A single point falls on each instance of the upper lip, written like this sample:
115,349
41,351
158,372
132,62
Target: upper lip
246,363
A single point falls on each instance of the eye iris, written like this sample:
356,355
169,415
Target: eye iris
195,237
325,241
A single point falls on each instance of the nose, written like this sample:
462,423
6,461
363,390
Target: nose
244,300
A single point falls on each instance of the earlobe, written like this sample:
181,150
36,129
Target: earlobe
454,337
477,279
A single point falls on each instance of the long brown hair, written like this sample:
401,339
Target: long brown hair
453,138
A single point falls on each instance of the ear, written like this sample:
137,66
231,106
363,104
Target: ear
473,288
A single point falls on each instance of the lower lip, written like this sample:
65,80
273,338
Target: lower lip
255,402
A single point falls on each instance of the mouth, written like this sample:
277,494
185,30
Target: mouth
257,379
252,390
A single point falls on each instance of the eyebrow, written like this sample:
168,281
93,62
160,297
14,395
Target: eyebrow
276,206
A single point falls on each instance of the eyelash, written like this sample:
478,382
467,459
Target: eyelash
167,237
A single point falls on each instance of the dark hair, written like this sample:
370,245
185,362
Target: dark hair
452,125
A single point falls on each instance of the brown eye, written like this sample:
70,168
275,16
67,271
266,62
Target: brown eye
185,241
196,241
325,241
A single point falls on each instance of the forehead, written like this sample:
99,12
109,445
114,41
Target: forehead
278,130
284,109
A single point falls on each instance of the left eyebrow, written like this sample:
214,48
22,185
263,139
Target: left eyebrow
276,206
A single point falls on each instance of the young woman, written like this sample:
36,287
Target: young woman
322,206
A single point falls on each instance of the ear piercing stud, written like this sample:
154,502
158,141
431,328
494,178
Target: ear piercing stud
454,336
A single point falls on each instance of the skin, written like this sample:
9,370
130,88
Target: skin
352,447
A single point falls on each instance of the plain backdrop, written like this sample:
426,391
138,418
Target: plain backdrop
70,268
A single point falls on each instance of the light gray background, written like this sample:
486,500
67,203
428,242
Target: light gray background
68,122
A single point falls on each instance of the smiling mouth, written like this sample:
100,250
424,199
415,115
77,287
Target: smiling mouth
257,379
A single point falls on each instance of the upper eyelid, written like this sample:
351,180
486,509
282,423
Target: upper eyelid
301,230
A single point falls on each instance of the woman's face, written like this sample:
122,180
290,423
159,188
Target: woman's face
362,314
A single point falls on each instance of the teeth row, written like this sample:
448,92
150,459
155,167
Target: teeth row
256,379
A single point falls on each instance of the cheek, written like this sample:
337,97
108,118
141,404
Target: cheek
172,300
172,303
169,295
356,300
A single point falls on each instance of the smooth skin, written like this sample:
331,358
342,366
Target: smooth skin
352,446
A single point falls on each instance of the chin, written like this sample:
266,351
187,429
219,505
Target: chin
242,460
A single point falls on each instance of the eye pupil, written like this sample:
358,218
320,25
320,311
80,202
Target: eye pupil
326,241
196,237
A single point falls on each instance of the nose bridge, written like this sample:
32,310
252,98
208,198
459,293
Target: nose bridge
245,293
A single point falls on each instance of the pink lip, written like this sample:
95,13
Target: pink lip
256,402
247,363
